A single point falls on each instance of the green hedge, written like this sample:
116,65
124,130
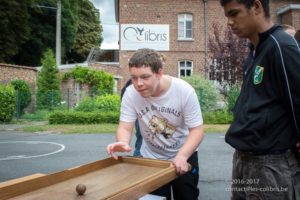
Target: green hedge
72,117
87,104
217,117
7,103
109,103
103,103
23,92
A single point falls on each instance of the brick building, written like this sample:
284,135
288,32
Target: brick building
180,30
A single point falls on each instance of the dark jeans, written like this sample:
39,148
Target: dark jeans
139,140
184,187
267,177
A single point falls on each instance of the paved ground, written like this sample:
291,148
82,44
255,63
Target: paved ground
27,153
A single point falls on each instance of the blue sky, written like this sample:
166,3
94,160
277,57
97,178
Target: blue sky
110,27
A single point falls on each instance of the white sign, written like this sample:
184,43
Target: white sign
153,36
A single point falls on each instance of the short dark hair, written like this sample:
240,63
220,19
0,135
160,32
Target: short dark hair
147,58
297,36
249,3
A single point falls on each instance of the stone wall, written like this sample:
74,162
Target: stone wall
29,74
12,72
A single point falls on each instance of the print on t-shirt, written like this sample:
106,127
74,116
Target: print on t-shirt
161,126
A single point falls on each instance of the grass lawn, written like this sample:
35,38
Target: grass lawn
72,128
101,128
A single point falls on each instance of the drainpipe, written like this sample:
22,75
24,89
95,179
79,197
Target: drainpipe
206,69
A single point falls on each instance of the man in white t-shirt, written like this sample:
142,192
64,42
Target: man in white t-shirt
170,119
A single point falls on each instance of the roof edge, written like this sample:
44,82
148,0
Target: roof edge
18,66
285,9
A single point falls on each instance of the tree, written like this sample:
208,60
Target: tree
48,83
37,18
228,53
42,24
69,27
14,23
89,32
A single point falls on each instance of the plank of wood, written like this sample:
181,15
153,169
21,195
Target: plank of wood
147,185
19,180
18,188
126,179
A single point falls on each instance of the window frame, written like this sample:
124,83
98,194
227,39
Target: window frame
184,17
185,68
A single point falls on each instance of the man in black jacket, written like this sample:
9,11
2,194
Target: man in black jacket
265,131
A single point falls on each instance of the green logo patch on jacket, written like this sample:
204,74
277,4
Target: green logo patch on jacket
258,75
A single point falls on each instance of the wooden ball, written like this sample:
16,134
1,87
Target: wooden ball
80,189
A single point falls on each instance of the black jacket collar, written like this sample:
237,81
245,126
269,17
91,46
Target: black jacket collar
263,36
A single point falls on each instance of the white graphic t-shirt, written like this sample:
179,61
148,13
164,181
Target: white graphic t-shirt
164,120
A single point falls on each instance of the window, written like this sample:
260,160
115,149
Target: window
185,26
106,55
185,68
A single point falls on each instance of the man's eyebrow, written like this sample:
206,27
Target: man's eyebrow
143,75
231,12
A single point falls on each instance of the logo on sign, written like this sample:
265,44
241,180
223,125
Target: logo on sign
136,34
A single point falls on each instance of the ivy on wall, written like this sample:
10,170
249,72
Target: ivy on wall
98,81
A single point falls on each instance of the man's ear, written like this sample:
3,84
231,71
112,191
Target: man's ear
257,8
160,73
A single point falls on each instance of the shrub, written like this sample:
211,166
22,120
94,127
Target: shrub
39,115
217,117
104,103
108,103
72,117
232,95
207,92
87,104
23,92
7,103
